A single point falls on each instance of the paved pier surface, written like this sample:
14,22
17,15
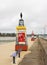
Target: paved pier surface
36,56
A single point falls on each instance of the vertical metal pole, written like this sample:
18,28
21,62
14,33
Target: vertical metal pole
13,59
44,32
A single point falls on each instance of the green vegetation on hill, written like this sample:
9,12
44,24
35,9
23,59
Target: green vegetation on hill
7,34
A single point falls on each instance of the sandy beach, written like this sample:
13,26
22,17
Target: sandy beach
7,48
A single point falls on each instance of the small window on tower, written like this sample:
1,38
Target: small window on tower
21,23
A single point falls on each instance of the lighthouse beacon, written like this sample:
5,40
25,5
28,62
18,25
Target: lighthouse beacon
21,41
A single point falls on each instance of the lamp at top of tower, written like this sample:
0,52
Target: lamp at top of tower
21,21
21,15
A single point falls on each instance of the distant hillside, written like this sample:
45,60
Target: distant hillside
14,35
8,34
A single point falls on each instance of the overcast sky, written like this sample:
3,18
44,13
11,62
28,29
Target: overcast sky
34,15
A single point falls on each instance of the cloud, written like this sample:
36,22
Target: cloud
34,14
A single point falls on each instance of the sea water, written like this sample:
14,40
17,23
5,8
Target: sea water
7,39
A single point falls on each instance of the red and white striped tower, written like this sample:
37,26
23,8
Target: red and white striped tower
32,36
21,41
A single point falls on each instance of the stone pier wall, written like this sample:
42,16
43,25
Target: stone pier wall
37,56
